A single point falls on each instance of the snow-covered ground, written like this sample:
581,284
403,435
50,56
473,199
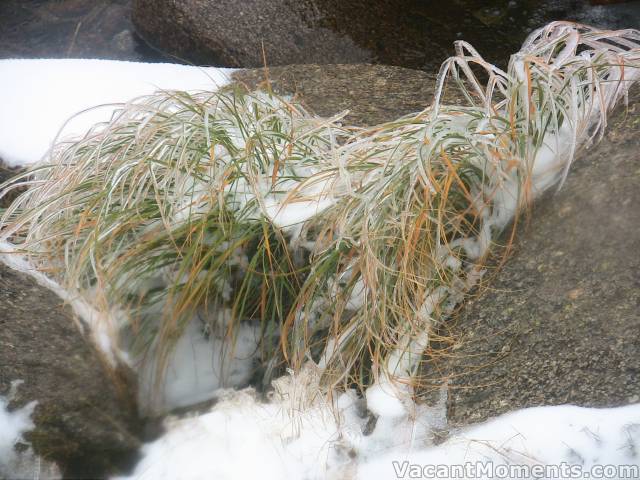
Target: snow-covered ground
297,434
242,438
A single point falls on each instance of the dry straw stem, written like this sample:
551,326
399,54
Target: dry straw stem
349,246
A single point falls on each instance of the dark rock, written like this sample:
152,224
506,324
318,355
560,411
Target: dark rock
409,33
5,174
232,33
248,32
559,322
86,421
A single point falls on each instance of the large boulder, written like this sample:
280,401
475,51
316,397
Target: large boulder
85,418
248,33
409,33
558,323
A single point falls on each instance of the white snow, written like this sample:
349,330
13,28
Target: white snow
37,97
197,368
583,438
299,436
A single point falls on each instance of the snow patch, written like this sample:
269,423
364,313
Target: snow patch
39,96
578,437
198,367
302,434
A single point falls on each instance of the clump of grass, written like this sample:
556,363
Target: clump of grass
348,245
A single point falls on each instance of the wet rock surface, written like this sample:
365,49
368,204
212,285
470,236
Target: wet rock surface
85,422
409,33
559,322
70,29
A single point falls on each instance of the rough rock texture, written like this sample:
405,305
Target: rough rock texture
371,93
559,321
85,422
409,33
235,33
231,33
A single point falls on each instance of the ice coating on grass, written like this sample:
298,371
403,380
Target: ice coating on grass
303,434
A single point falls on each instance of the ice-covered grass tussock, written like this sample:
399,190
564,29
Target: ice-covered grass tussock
346,246
39,97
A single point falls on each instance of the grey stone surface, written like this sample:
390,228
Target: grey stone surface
559,322
86,419
371,93
409,33
243,34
